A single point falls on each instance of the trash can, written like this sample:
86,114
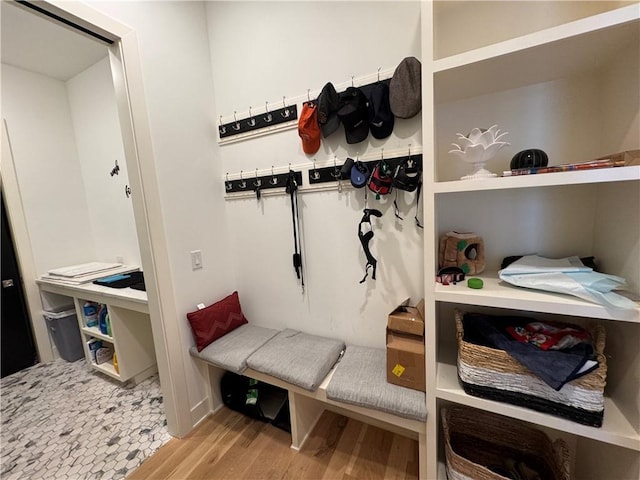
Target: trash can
63,327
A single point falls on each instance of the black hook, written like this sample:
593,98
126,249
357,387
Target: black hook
115,170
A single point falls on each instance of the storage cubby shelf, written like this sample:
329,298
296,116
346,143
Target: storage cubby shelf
107,368
615,430
572,90
496,293
572,48
95,332
603,175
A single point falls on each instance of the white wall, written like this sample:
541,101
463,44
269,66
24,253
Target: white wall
111,224
262,51
184,100
43,142
175,63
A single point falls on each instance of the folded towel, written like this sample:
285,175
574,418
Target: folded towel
554,367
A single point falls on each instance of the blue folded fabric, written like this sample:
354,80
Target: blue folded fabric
113,278
554,367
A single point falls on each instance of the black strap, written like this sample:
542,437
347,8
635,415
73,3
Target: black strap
418,205
365,238
396,210
292,190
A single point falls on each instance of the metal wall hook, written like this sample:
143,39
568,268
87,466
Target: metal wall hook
252,121
237,124
409,159
222,128
268,118
315,175
127,190
336,171
257,182
227,183
242,183
308,94
379,73
274,178
352,80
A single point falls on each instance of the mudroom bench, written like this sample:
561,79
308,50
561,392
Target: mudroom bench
319,374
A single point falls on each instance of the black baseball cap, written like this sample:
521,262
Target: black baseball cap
381,118
328,105
354,115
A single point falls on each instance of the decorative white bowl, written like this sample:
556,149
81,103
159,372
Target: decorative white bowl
477,148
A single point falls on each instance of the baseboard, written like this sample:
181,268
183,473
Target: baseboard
200,412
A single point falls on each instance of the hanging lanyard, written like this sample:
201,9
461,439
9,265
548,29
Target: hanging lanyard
292,190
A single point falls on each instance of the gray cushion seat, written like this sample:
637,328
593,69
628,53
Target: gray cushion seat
231,351
360,379
298,358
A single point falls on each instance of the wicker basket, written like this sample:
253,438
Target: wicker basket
476,440
492,373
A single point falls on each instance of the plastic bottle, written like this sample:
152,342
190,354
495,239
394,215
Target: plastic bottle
115,363
90,312
108,319
102,320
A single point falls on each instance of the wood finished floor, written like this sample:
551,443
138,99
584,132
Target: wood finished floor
228,445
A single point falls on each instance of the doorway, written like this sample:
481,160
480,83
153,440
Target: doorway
145,199
18,347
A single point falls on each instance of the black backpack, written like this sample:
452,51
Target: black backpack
255,399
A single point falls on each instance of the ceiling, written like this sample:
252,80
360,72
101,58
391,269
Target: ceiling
39,45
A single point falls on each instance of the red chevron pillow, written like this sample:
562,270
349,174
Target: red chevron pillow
216,320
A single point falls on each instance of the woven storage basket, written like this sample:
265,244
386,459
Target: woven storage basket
475,440
492,373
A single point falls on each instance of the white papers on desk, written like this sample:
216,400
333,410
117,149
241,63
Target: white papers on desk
82,269
80,279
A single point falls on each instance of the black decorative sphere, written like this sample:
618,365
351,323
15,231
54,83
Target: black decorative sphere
531,158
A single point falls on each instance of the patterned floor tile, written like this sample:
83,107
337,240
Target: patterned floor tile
64,420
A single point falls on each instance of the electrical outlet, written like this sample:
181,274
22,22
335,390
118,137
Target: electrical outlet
196,259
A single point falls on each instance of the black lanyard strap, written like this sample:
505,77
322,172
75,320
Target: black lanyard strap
292,190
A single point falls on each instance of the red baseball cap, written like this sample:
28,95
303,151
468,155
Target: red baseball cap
308,128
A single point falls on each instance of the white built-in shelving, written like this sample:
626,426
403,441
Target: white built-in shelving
571,88
131,338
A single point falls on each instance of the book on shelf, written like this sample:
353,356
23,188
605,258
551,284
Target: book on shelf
623,159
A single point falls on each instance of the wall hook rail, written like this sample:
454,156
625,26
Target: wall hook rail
255,123
333,173
263,182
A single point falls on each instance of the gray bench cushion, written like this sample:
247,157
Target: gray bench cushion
298,358
360,379
231,351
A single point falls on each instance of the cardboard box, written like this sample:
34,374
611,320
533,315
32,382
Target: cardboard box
405,360
405,347
406,319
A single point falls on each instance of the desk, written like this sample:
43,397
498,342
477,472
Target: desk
131,336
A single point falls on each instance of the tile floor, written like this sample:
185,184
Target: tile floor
64,420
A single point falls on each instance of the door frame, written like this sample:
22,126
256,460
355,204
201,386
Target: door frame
134,122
